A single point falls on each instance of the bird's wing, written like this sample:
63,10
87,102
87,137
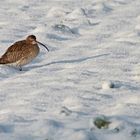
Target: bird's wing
14,53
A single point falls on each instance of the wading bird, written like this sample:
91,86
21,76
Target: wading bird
21,52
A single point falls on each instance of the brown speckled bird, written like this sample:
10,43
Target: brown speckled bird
21,52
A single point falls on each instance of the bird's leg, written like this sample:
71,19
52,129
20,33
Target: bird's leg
20,68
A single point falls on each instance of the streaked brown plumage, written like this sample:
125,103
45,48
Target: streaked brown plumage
21,52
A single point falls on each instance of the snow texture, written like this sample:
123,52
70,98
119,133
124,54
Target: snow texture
94,45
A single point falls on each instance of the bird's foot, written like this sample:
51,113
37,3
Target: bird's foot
20,68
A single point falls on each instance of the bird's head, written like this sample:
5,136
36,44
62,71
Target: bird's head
31,39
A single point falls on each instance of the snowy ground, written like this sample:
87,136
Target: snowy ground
59,95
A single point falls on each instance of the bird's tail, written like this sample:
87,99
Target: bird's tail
2,61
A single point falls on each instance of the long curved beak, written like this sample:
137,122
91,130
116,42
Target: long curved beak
43,45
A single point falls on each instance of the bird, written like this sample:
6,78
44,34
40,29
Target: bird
21,52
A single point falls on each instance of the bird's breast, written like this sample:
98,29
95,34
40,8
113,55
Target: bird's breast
33,51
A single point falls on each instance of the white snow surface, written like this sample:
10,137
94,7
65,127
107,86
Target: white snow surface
59,94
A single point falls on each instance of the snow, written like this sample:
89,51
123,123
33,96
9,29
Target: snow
93,44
